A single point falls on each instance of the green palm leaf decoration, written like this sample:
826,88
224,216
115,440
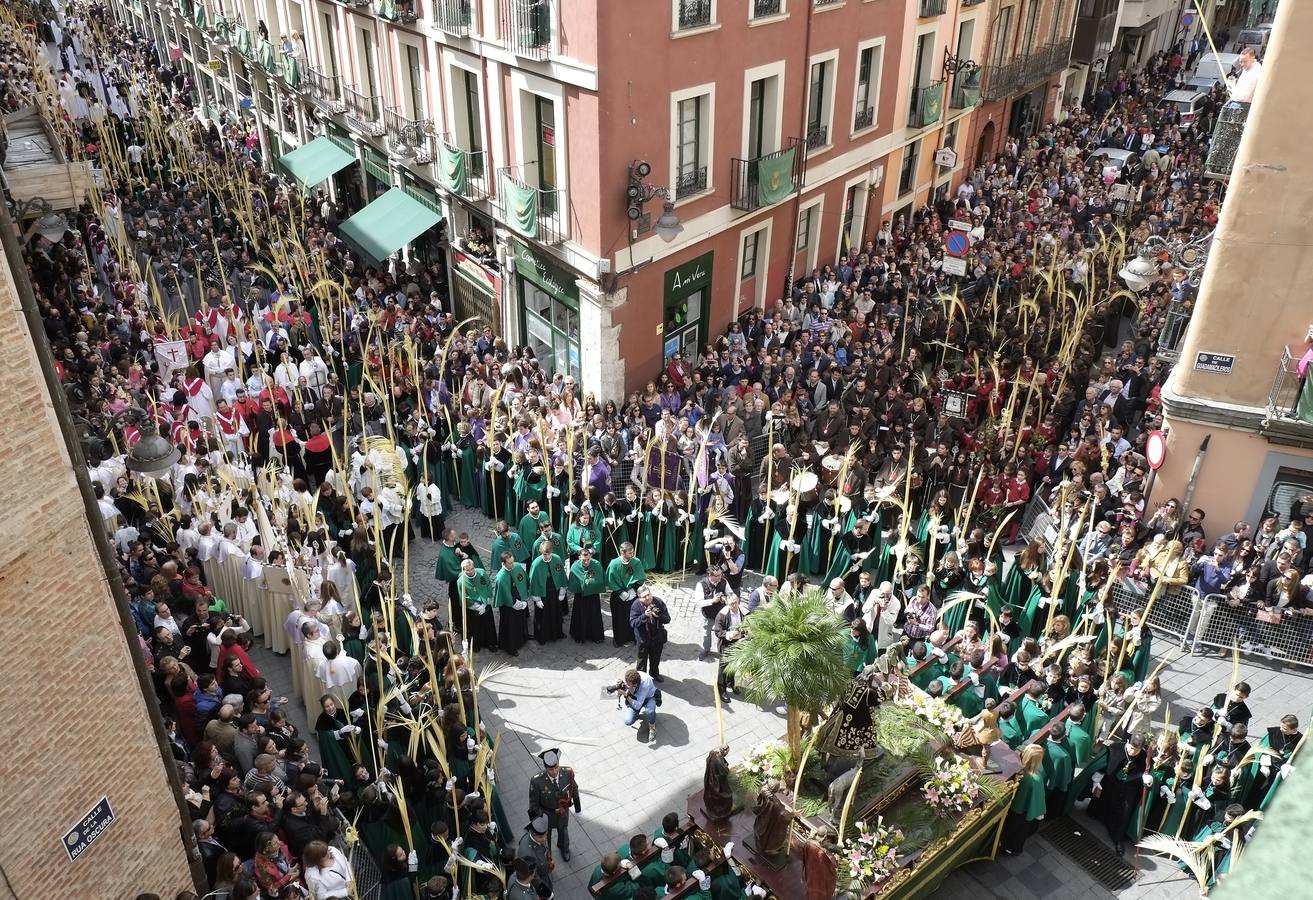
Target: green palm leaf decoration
793,650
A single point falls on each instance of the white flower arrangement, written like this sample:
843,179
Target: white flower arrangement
952,786
945,717
870,857
769,759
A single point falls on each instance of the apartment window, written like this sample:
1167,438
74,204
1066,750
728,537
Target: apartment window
806,228
415,82
329,63
1058,31
849,214
761,9
757,117
907,171
819,91
469,118
367,51
545,121
1032,24
1001,39
692,121
694,13
950,135
751,243
867,95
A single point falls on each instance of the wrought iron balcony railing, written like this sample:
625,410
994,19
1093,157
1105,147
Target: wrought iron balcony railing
365,111
933,8
927,105
864,118
763,8
528,210
1284,400
694,14
461,171
818,136
526,27
753,182
453,16
690,181
325,90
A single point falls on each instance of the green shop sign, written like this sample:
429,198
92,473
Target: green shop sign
691,277
553,279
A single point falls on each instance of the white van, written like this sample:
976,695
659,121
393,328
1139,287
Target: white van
1216,67
1256,37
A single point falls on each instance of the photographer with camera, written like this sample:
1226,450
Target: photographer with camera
648,617
640,699
710,594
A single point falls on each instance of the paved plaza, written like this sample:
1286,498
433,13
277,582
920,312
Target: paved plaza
554,696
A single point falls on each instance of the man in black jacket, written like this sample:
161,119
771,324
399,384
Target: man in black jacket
648,616
301,821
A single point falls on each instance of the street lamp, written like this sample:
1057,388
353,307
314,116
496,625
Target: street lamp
49,224
1141,271
639,193
1187,257
152,455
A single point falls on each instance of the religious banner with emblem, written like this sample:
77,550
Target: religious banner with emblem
775,177
171,356
932,103
452,168
521,207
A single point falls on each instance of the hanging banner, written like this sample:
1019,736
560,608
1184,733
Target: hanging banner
775,177
452,168
521,207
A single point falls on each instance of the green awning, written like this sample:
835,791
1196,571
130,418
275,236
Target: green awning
316,161
388,224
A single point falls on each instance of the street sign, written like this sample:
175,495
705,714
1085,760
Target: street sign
955,265
956,243
78,838
946,157
1187,20
1217,363
959,225
215,64
1155,449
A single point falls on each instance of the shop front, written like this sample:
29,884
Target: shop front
378,178
549,305
687,303
475,291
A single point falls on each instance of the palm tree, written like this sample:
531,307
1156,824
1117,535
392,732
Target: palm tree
793,649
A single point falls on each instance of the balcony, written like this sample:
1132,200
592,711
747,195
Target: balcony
453,16
1001,81
1226,140
818,136
966,88
526,27
461,171
409,137
767,179
364,112
967,4
930,8
694,14
402,11
690,182
864,118
927,105
1172,333
325,90
1289,404
821,4
762,9
527,210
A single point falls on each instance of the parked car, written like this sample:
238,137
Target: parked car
1107,158
1186,103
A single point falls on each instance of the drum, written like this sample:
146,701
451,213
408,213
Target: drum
805,484
831,467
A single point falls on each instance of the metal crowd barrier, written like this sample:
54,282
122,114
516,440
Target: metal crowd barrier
1222,626
1038,522
1175,612
369,878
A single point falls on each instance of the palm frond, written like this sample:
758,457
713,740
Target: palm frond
1194,855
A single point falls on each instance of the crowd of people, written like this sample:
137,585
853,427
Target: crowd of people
878,432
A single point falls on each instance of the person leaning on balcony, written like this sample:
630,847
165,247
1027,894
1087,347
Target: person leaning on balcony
1251,72
1304,403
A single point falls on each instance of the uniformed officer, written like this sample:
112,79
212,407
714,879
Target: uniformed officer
535,851
551,794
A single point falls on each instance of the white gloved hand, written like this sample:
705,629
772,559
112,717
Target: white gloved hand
412,861
451,783
757,891
560,594
667,855
492,826
1097,778
479,609
1202,803
342,732
1147,779
456,846
1225,842
488,465
1168,794
1225,722
729,850
1287,770
974,678
382,744
1208,759
633,870
1266,766
939,653
405,707
519,605
474,795
538,602
470,744
1005,637
704,880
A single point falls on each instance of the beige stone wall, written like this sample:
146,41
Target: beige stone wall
1254,296
73,722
